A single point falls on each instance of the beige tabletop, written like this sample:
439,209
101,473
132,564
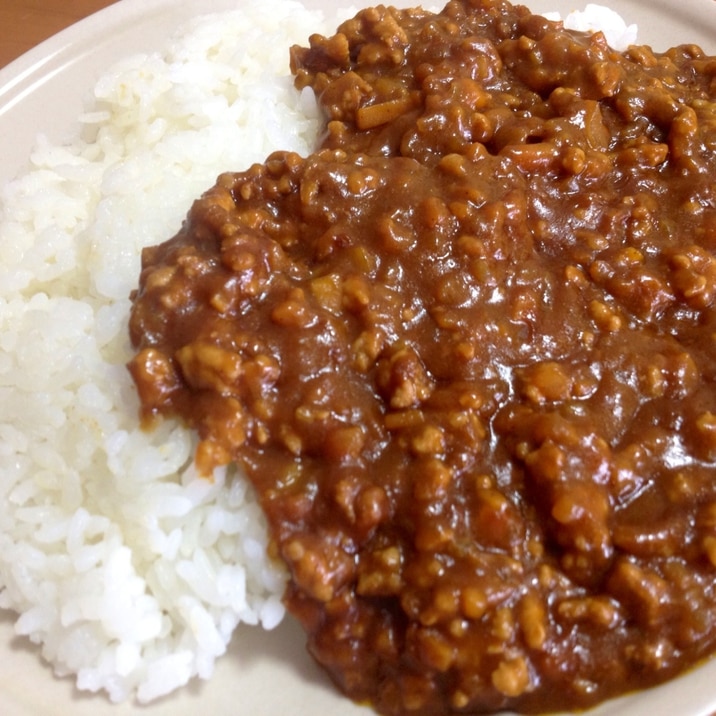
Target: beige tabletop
26,23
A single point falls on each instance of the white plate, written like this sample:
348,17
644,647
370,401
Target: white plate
264,674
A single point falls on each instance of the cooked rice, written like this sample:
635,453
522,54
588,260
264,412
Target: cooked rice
129,570
596,18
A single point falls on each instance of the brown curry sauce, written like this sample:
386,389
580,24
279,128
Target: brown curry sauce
465,354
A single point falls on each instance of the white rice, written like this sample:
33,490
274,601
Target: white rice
598,18
129,570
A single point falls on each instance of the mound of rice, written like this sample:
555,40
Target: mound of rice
129,570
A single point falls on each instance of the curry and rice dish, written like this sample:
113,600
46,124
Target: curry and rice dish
465,354
491,292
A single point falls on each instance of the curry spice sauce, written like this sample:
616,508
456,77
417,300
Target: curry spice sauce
465,352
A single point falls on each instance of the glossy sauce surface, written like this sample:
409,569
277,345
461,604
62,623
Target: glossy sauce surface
465,353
